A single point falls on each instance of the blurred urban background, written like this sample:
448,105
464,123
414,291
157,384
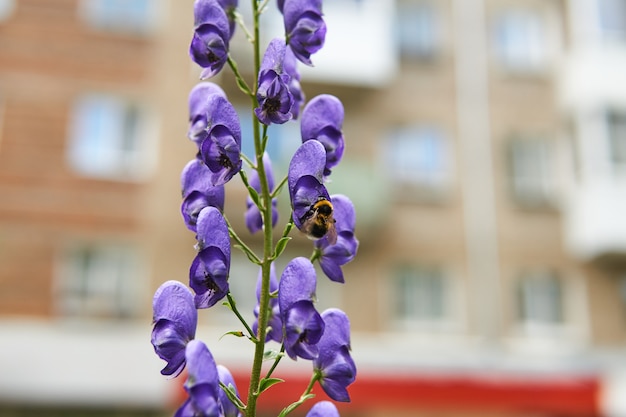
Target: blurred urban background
486,156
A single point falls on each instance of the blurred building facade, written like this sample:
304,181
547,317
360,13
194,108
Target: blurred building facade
486,155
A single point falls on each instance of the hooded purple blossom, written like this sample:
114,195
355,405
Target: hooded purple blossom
322,120
275,99
290,66
209,45
305,179
226,378
198,192
302,324
221,149
334,363
305,29
175,318
202,384
323,409
253,218
198,97
274,321
344,250
230,8
208,275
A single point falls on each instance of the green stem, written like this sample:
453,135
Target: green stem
233,307
306,395
279,187
264,298
276,361
242,245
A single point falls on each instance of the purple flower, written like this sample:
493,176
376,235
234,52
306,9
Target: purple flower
198,109
302,324
304,27
274,321
344,250
209,45
221,149
198,192
334,363
253,218
175,318
273,95
208,275
290,66
230,7
323,409
226,378
202,383
305,181
322,120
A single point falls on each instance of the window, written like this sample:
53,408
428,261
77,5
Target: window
6,9
531,176
612,19
100,281
616,126
421,296
111,138
125,16
540,299
419,157
520,41
417,30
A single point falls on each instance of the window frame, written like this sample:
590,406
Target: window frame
535,187
445,319
524,53
408,167
84,285
117,18
106,155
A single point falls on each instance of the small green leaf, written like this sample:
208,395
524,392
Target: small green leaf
232,396
254,195
268,382
270,355
281,245
236,333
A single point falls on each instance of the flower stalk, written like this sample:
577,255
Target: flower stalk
285,311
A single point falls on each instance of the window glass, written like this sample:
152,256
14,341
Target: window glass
520,41
531,176
100,281
418,157
111,138
127,16
540,298
6,9
417,30
616,122
612,15
421,295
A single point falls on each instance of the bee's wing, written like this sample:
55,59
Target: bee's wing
331,234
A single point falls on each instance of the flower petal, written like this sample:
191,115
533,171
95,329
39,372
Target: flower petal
226,378
334,361
303,328
323,409
213,231
309,159
203,380
175,319
297,282
174,302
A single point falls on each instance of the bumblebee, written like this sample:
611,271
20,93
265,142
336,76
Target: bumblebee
318,221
